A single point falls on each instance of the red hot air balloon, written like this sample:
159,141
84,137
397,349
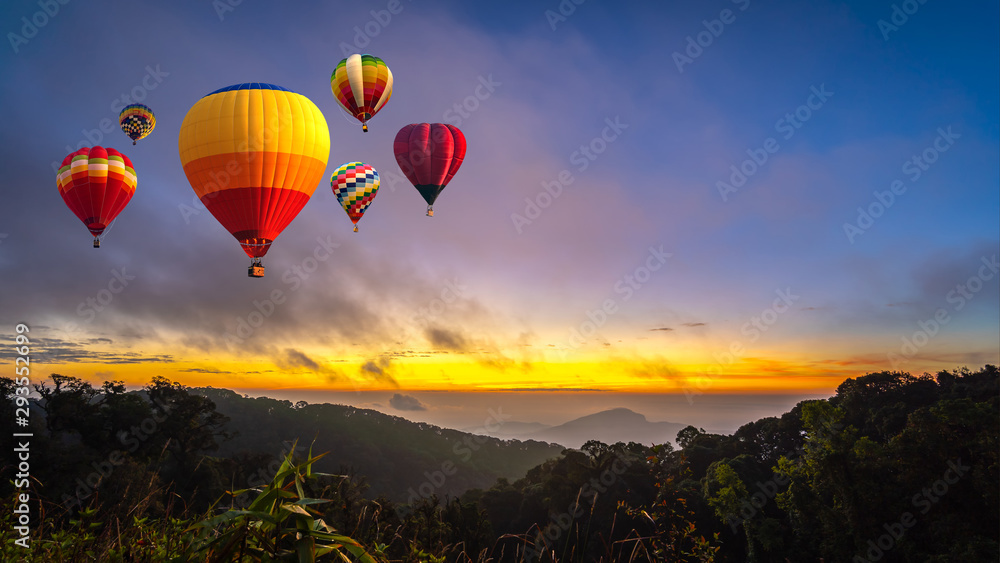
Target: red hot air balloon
96,184
429,154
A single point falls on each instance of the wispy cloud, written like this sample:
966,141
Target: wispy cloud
447,339
378,370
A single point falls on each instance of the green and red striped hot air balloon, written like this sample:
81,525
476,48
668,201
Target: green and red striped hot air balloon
362,84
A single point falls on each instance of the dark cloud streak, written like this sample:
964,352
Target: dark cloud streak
406,403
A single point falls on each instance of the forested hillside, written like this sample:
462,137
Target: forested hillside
394,455
893,467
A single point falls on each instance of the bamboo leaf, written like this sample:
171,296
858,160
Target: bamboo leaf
295,508
306,549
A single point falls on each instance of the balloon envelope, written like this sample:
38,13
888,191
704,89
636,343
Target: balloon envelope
96,183
355,185
429,154
362,84
254,154
137,121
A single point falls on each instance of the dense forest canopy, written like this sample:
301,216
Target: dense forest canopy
893,467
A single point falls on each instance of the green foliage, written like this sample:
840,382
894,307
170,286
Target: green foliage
281,524
672,535
392,453
873,448
724,490
823,481
85,538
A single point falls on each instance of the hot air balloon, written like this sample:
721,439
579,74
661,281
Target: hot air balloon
96,184
137,121
254,154
362,84
430,155
355,185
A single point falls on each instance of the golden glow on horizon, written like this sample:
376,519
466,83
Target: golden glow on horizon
640,368
458,374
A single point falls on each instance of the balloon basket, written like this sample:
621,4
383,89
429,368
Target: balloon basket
355,228
430,212
133,143
97,243
256,270
364,127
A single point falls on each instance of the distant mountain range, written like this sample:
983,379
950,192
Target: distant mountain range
610,426
400,458
397,457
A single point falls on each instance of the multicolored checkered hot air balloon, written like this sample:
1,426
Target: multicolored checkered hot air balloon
429,154
355,185
254,154
362,84
137,121
96,184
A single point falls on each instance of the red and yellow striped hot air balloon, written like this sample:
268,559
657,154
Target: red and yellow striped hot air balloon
254,154
362,84
96,184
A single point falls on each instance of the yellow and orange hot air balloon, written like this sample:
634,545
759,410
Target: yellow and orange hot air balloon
254,154
362,84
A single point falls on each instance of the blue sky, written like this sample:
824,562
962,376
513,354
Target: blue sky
528,286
